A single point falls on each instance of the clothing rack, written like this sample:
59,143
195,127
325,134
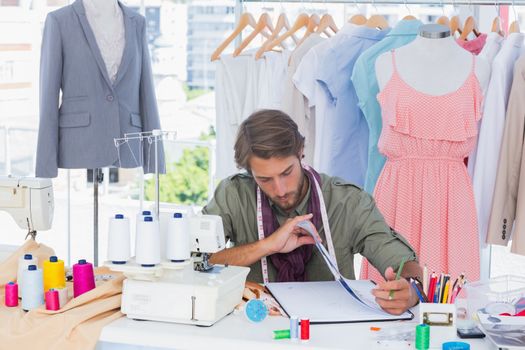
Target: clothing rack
395,2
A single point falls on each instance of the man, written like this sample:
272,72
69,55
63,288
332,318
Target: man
261,210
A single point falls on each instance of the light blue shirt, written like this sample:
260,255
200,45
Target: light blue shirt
345,136
365,83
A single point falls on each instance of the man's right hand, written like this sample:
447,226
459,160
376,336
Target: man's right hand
289,236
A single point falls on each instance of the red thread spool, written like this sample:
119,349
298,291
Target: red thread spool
305,329
52,301
11,294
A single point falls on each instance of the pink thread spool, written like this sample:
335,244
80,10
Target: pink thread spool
11,294
52,301
83,278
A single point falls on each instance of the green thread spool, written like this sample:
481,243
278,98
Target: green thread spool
422,337
281,334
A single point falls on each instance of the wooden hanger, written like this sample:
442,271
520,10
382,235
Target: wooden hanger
313,24
469,27
455,25
282,23
496,26
301,21
265,22
444,21
377,21
327,21
409,18
245,20
514,27
357,19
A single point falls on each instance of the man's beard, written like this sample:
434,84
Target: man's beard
291,199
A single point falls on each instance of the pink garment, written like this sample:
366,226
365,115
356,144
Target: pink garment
424,191
473,46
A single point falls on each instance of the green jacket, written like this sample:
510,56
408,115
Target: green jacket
356,224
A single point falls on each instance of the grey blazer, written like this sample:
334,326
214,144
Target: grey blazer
78,132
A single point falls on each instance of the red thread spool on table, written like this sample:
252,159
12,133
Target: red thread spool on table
52,301
11,294
305,329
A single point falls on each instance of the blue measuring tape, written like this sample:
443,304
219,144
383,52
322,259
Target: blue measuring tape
256,310
456,345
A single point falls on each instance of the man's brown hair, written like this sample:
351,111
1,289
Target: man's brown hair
265,134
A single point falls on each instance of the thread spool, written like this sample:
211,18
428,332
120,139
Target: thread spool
119,239
178,239
52,300
54,273
63,296
83,278
147,242
305,329
33,289
294,328
23,262
281,334
422,337
11,294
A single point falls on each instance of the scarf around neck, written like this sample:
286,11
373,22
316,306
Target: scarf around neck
291,266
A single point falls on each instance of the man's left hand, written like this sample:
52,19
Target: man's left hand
403,298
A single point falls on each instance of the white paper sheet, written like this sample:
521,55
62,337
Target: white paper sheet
329,302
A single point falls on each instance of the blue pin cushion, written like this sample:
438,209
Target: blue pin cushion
255,310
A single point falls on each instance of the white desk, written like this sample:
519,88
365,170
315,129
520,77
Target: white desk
235,332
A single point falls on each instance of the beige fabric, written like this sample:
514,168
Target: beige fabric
76,326
508,206
9,267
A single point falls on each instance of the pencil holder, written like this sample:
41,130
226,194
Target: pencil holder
442,321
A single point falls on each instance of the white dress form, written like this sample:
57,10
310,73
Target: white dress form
106,22
432,66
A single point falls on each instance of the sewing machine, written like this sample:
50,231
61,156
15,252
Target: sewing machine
29,201
191,292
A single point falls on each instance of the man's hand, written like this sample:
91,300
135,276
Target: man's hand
289,236
404,296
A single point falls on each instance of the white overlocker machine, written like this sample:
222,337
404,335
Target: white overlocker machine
29,201
192,292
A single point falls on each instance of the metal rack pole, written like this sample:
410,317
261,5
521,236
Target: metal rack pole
398,2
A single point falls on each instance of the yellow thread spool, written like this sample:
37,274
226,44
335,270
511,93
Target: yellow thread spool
54,274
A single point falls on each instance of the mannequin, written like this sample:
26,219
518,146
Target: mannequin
96,85
434,66
107,24
430,112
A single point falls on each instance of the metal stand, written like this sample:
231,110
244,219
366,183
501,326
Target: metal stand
151,137
98,177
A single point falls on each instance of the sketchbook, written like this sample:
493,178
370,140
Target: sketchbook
336,301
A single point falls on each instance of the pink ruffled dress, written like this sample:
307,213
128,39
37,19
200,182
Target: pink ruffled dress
424,191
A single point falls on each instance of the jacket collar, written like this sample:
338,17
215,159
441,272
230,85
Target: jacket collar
128,14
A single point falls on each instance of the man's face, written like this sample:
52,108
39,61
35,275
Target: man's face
281,179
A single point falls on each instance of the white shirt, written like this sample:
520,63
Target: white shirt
492,46
295,104
235,85
108,29
272,76
305,81
490,50
244,85
491,131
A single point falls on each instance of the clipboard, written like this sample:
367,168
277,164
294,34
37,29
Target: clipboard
339,301
325,302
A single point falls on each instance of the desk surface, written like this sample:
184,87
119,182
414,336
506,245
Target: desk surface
236,332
